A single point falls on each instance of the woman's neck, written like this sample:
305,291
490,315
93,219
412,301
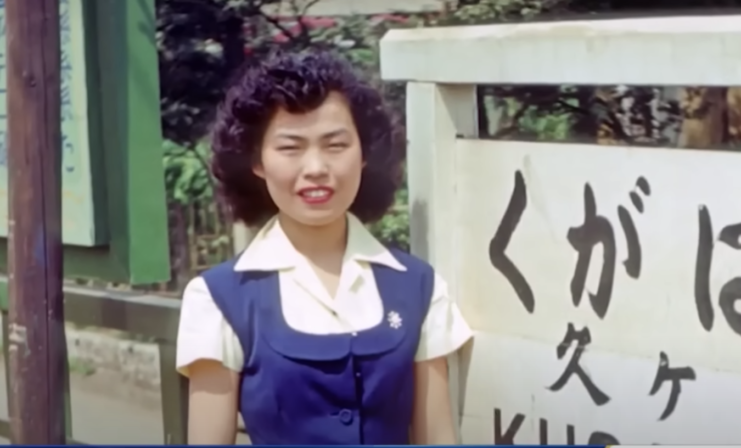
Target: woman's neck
311,241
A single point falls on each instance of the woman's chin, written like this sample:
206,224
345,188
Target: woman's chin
318,217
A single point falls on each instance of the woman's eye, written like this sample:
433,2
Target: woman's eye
288,148
337,146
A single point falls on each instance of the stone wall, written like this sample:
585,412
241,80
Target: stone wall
93,350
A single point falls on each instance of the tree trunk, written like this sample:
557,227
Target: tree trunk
180,246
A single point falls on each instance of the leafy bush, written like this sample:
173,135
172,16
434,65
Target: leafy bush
393,229
186,172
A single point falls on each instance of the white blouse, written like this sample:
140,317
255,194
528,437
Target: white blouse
204,333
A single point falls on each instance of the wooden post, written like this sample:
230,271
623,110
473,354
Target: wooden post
36,325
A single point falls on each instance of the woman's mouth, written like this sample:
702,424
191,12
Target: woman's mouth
317,195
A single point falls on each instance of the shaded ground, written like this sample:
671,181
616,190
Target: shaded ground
103,412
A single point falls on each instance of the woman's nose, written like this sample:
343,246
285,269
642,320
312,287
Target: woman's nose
315,164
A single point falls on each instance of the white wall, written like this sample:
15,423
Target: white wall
460,190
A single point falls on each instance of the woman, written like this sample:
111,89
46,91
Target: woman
317,333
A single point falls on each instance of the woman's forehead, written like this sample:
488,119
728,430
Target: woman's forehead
331,117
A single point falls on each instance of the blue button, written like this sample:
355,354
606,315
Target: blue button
346,416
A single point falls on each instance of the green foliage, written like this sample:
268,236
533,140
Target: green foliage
491,11
186,172
533,124
393,229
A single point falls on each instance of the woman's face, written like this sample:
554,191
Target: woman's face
312,162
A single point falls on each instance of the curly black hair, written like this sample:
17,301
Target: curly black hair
300,82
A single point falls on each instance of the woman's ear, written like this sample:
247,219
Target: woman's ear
259,171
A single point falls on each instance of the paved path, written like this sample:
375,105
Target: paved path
101,413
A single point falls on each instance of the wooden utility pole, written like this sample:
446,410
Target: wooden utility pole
36,318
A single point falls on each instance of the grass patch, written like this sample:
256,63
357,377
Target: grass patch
80,367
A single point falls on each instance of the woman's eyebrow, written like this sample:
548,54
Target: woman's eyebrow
336,133
290,136
298,137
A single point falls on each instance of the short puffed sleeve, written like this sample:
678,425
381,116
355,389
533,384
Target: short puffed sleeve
203,332
444,330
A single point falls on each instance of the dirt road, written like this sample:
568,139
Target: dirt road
105,413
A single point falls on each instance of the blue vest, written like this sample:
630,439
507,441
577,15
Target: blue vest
344,389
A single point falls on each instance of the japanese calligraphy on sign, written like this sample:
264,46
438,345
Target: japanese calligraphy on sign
603,282
78,207
607,292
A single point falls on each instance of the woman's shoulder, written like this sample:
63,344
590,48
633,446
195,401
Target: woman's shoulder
420,267
412,262
223,269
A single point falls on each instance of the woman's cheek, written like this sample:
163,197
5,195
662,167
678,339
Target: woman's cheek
281,189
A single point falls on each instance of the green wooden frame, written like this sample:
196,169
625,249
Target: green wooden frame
125,147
